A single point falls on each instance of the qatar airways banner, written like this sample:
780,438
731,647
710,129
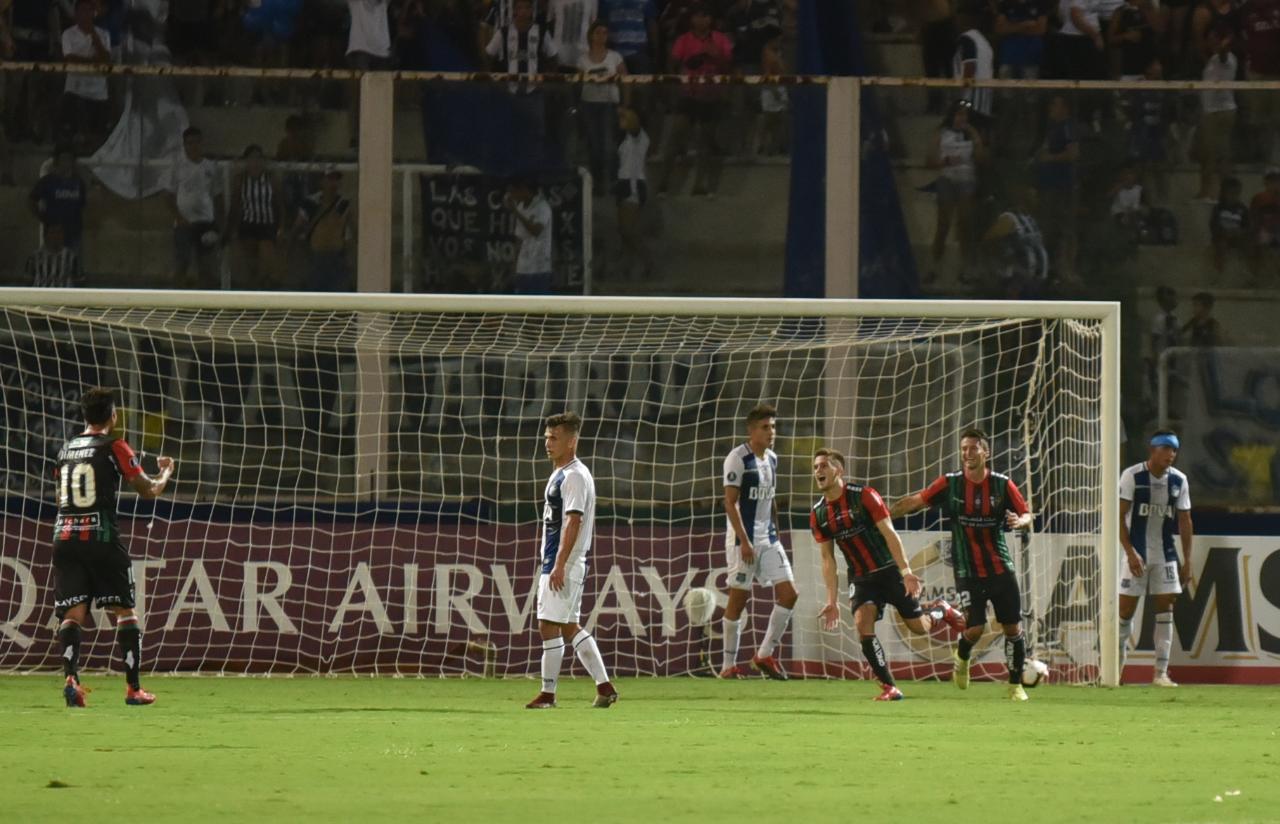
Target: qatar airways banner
350,596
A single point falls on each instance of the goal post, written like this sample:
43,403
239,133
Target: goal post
359,477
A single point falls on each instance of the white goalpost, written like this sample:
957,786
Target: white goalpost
358,477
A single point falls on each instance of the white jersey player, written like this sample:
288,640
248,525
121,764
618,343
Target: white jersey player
568,521
753,550
1152,496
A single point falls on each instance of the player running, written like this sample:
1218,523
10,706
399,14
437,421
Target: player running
1150,493
90,561
979,503
751,543
853,517
568,520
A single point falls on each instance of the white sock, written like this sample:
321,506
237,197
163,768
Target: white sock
552,658
1164,641
1126,629
589,654
778,620
732,631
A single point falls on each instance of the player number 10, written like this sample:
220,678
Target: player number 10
78,486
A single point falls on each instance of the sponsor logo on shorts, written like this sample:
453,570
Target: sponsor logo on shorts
742,577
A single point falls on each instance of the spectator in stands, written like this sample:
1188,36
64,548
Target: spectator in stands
1023,261
752,24
256,221
85,107
29,97
699,52
1077,51
1261,24
60,197
54,264
326,222
1203,329
937,45
368,47
1208,22
957,151
525,47
632,192
1133,34
195,200
570,23
297,146
1056,189
1229,223
1165,333
633,33
1128,200
1264,219
974,60
534,223
775,103
600,103
1217,115
1151,115
1021,26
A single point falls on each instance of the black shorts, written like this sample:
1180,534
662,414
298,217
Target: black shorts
885,586
87,569
1000,590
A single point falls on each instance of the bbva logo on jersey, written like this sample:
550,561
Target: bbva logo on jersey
758,493
1155,511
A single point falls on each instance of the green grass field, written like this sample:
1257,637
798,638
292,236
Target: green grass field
365,749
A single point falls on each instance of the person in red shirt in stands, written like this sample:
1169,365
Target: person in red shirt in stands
699,52
1261,23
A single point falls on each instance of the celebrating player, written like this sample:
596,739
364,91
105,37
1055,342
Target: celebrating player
89,559
854,517
751,543
1150,493
979,503
568,518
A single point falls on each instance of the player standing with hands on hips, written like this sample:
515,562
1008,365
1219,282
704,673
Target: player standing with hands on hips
568,521
753,550
1151,493
979,504
90,561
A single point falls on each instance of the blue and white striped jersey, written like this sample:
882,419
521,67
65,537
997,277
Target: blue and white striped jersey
1155,503
756,479
570,489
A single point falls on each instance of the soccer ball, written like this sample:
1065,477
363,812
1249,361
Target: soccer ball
700,605
1034,673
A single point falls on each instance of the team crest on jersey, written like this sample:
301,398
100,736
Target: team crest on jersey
133,462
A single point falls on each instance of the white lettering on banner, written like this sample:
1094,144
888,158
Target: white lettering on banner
25,583
254,598
616,583
372,603
666,601
517,616
447,600
198,579
410,599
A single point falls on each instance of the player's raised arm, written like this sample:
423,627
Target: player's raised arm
1018,516
921,500
151,488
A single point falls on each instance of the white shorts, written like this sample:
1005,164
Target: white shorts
770,567
1159,578
565,606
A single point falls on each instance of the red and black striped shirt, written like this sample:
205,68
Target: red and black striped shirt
977,515
850,522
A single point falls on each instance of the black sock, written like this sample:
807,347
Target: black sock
1015,656
964,647
130,639
69,635
875,657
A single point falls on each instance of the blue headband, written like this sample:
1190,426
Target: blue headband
1165,440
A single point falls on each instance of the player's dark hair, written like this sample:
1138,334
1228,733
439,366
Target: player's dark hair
569,420
760,412
978,434
831,455
96,405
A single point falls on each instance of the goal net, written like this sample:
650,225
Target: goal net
359,479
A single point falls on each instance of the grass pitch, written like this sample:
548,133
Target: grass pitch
672,749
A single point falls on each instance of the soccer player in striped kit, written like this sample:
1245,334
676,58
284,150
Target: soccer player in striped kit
979,504
753,551
1152,496
853,517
